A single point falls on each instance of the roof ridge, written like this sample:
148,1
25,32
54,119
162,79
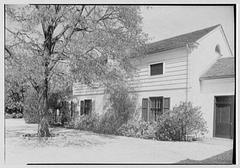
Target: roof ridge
211,28
178,41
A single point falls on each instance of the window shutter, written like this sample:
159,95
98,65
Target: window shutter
72,108
166,103
90,106
82,107
145,109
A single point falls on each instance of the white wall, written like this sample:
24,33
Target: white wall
200,60
98,101
209,89
175,71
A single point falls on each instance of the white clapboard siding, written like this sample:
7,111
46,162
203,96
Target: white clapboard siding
162,78
174,77
80,89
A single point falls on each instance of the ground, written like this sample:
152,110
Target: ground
75,146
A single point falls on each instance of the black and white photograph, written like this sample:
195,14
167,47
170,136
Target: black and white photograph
120,84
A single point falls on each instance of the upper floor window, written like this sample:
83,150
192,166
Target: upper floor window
156,69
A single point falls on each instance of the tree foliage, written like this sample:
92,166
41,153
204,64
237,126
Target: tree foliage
54,45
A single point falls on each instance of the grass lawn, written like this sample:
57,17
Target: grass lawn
75,146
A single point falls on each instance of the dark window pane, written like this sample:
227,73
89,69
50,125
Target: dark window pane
156,107
82,107
156,69
86,107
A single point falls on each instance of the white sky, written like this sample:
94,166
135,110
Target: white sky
162,22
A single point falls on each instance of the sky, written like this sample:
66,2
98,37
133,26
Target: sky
161,22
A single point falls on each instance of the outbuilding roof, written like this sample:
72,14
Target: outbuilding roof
178,41
223,68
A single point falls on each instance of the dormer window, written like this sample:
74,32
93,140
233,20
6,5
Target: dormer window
156,69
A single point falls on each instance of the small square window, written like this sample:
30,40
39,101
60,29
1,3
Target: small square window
156,69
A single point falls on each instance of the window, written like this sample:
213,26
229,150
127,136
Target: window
156,106
86,106
156,69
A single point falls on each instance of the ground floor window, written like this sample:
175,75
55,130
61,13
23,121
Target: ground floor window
86,107
154,107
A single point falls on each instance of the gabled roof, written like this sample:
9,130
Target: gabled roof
178,41
223,68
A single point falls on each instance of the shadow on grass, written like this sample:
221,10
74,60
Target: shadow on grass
69,137
73,132
62,137
224,158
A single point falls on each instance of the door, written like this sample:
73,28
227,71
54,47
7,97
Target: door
224,116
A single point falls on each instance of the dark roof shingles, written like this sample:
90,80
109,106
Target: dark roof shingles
177,41
224,67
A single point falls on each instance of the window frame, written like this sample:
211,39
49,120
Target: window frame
163,72
83,107
156,110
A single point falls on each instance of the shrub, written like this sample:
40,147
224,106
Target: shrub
120,108
105,124
65,113
30,112
13,115
19,115
7,115
140,129
183,120
87,122
109,123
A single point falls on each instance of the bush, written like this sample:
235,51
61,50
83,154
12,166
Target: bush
139,129
7,115
109,123
105,124
13,115
30,112
87,122
183,120
175,125
19,115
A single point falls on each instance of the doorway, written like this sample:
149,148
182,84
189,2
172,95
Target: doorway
224,117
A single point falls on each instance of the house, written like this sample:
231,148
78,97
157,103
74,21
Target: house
196,67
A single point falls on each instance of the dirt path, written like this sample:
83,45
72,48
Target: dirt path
74,146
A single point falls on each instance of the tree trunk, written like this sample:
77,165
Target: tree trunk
43,129
48,30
